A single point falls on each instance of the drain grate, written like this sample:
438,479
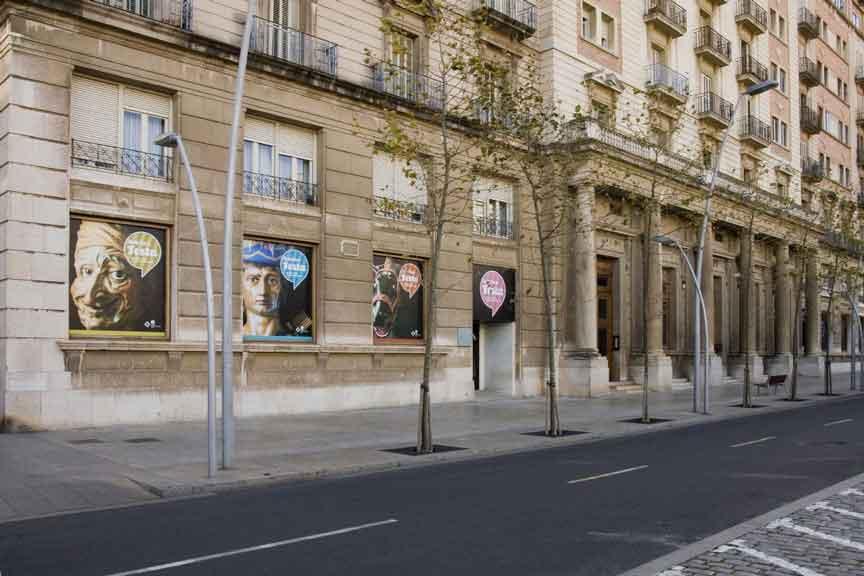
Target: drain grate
85,441
141,440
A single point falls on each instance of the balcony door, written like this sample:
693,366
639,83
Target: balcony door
287,38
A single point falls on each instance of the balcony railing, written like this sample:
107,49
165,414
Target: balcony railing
493,227
808,23
712,106
518,14
400,210
407,85
808,71
122,160
713,44
859,74
860,158
172,12
755,129
275,41
752,15
668,14
859,118
811,170
664,78
283,189
811,121
751,70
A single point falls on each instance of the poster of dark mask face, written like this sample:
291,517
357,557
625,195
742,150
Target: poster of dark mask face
277,291
117,279
494,294
397,298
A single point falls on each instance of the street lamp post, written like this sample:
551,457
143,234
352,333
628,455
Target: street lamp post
753,90
173,140
700,309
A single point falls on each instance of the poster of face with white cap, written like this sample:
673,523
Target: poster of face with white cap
397,298
117,279
277,291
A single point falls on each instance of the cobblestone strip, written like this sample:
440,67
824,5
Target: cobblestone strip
825,538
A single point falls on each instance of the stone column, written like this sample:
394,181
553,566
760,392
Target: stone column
748,332
781,363
813,362
583,371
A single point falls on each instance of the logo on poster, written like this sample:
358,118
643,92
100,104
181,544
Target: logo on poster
142,251
410,278
493,291
294,266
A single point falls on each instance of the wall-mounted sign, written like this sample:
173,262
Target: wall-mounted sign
494,294
397,299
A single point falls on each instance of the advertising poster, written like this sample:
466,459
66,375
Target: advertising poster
397,298
494,294
277,291
117,279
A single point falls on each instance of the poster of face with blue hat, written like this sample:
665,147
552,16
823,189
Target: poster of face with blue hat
277,291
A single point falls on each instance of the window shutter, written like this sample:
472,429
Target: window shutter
258,130
149,102
95,115
382,175
298,142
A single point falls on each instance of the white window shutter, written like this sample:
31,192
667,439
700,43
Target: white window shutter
259,130
298,142
95,114
148,102
382,175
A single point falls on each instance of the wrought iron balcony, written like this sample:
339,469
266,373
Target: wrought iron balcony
808,72
811,122
752,16
755,131
811,170
404,84
519,16
751,71
712,108
172,12
713,46
493,227
667,81
282,189
666,15
289,45
808,23
122,160
859,119
400,210
859,74
859,157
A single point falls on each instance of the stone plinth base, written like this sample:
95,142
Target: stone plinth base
584,376
812,366
659,371
778,364
737,367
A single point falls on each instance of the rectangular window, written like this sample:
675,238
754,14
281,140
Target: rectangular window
279,161
784,134
607,33
589,22
402,50
118,279
775,129
397,299
399,188
774,71
782,28
782,80
773,20
493,214
277,297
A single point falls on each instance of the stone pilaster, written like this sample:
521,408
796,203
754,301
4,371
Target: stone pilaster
748,327
716,370
781,362
812,362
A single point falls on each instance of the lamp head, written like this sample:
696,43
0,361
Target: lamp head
166,140
761,87
665,240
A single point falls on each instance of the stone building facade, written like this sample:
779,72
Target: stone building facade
102,300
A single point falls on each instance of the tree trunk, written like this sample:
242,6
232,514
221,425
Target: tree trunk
646,278
747,263
553,422
424,415
796,327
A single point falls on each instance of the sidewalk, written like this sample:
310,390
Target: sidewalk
51,472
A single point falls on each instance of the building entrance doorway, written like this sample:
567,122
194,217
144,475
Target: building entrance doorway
607,338
494,330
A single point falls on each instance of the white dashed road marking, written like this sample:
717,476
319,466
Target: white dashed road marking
841,511
674,571
268,546
852,492
759,441
608,474
740,546
839,422
787,523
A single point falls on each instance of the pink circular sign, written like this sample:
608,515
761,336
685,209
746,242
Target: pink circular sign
493,291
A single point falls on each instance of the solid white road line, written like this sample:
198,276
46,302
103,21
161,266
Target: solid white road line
852,492
740,546
760,440
844,421
841,511
787,523
200,559
608,474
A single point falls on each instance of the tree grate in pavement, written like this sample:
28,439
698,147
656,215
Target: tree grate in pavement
563,433
748,407
792,399
412,450
650,420
141,440
85,441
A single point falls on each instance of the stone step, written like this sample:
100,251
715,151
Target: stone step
625,387
681,384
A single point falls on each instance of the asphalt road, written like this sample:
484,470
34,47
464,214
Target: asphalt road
518,514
